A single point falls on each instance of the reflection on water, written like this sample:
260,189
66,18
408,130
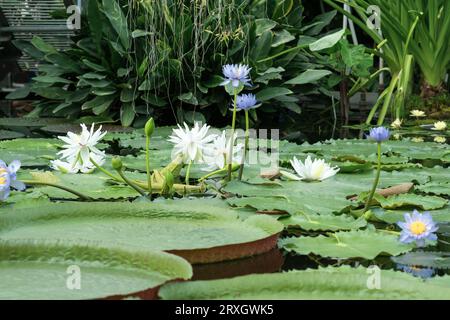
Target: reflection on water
268,262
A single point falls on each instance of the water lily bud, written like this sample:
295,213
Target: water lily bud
149,127
117,163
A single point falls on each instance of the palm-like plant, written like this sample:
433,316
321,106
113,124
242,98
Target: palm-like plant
414,30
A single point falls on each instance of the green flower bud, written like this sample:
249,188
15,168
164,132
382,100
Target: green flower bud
149,127
117,163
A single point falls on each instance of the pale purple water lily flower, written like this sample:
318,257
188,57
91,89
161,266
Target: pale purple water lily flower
417,228
246,102
8,179
236,74
379,134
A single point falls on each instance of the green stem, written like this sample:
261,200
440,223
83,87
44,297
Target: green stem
39,183
233,126
109,174
188,173
147,156
131,184
247,136
377,179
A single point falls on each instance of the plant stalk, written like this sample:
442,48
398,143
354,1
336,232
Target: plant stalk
70,190
377,179
147,159
247,136
233,126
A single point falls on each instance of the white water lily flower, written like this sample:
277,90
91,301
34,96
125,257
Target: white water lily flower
417,113
191,143
396,124
417,139
79,150
313,170
439,126
440,139
217,155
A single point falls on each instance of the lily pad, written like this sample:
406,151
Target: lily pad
324,283
30,151
7,134
438,260
412,200
323,222
42,271
199,230
366,244
435,187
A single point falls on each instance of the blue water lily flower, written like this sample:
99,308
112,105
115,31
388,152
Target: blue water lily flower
418,227
247,102
8,179
236,74
379,134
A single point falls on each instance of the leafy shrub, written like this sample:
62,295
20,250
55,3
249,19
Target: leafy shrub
137,58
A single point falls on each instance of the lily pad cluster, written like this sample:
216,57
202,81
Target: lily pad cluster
131,244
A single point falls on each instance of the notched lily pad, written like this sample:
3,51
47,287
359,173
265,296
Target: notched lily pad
366,244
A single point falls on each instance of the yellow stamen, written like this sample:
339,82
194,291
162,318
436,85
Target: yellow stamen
2,181
3,171
417,227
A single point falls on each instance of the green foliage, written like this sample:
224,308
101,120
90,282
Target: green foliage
366,244
135,58
324,283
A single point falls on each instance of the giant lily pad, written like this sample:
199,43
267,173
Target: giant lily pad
324,283
199,230
365,244
42,271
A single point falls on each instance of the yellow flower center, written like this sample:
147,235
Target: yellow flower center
3,171
417,227
2,181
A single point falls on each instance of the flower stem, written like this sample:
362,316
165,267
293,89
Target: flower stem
377,179
147,156
225,169
233,126
131,184
109,174
40,183
247,136
188,172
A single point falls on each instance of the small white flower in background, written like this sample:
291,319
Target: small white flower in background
397,136
396,124
440,139
417,139
217,154
191,143
313,170
439,126
417,113
79,150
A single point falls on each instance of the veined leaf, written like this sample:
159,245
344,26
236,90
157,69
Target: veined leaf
352,244
309,76
327,41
